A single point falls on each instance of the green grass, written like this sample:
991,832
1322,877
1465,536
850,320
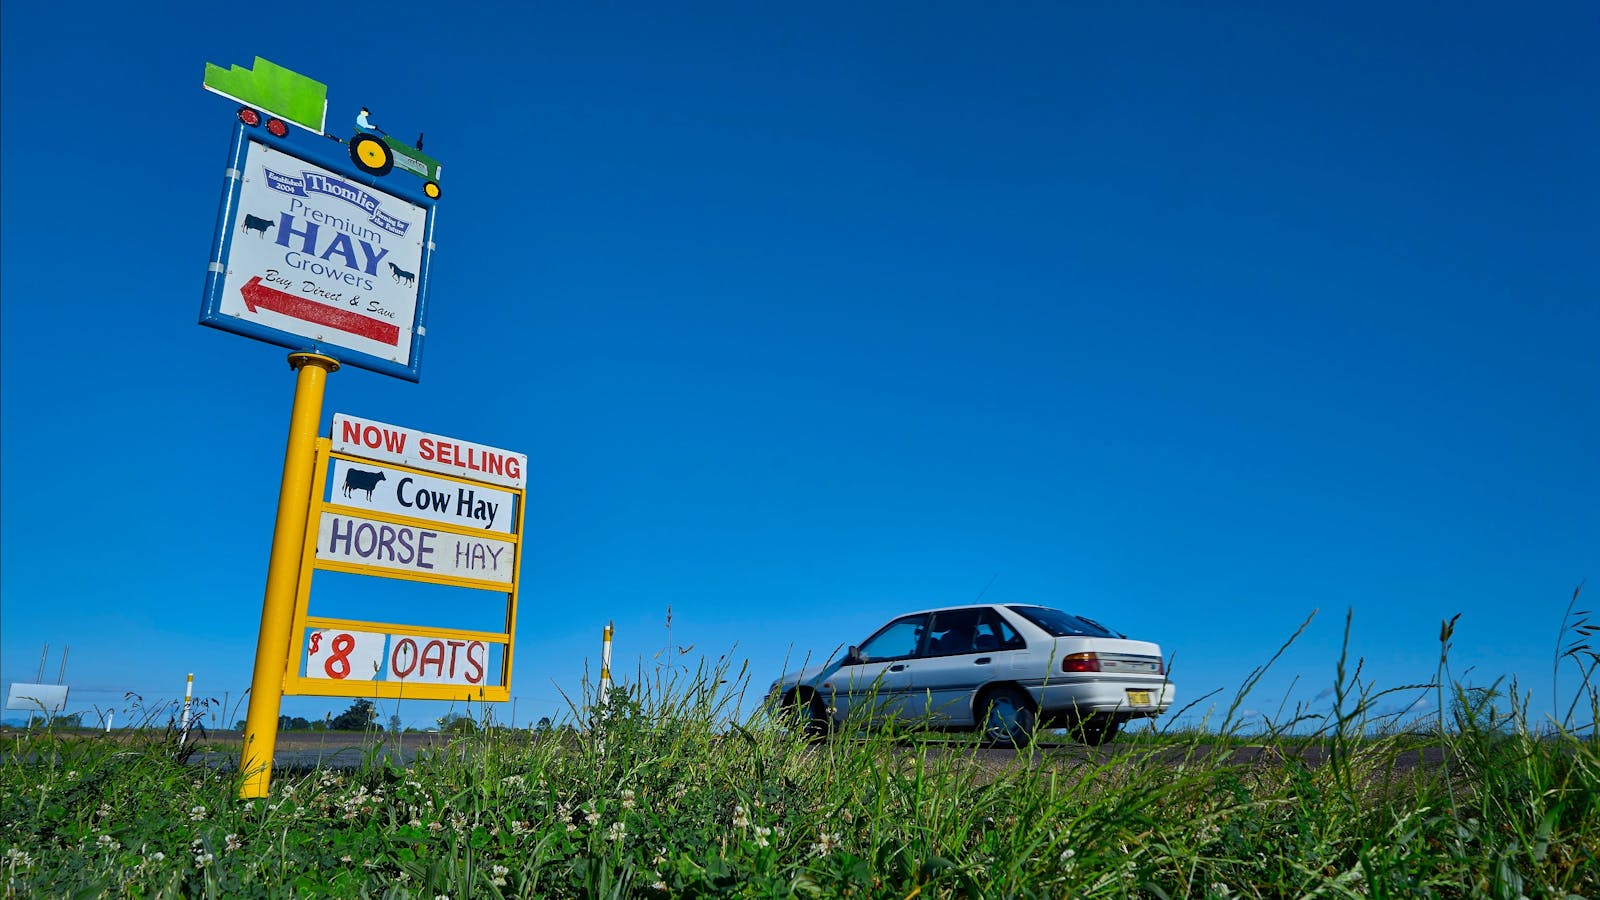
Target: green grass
669,798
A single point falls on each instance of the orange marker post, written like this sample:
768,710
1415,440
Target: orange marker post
283,572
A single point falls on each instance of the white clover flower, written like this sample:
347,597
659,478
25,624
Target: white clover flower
415,822
498,875
659,886
435,827
515,781
345,858
617,832
232,842
72,774
741,818
761,835
203,859
197,813
827,842
628,798
591,817
158,856
17,857
1067,855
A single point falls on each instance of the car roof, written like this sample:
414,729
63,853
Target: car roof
935,609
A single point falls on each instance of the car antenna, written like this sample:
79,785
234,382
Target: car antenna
986,587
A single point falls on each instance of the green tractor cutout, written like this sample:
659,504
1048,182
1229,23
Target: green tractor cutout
286,98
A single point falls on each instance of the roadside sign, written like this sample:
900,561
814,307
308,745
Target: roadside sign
312,258
392,502
339,655
424,553
430,452
451,501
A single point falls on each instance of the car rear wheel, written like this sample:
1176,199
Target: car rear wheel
1008,717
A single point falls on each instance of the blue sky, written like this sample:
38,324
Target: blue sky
1193,320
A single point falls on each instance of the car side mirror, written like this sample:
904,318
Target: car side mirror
852,657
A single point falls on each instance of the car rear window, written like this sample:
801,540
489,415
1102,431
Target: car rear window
1062,624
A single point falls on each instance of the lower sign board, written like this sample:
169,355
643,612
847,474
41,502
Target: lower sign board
336,654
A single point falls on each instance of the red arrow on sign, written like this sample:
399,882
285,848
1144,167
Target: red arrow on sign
256,294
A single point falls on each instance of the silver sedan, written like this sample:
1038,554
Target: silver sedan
1006,669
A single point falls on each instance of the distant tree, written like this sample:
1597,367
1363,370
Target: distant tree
544,724
394,724
360,716
456,723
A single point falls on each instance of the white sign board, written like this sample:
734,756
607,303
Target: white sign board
337,655
46,698
407,548
405,493
429,452
324,258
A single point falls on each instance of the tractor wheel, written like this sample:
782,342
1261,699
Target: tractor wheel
371,154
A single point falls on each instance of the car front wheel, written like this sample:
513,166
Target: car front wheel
1008,717
809,717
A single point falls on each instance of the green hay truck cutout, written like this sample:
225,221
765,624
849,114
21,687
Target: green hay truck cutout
302,101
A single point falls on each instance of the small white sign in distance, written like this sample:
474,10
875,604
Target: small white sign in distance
441,555
429,452
403,493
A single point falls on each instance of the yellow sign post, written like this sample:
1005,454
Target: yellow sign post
283,572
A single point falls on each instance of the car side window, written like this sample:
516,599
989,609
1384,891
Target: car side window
953,631
993,632
898,639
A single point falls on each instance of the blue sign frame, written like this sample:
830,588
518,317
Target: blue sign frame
331,154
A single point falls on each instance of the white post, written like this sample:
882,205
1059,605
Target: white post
109,716
605,665
183,724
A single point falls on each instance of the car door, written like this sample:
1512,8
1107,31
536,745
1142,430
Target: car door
878,681
950,670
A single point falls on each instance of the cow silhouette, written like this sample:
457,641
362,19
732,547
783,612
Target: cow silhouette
257,224
357,480
401,276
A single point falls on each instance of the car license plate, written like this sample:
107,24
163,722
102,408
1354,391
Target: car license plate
1139,698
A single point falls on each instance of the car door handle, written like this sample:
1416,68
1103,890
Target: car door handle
898,667
981,661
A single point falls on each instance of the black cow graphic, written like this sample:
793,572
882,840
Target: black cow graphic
357,480
401,276
257,224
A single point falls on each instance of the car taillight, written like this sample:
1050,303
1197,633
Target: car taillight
1161,666
249,116
277,127
1080,662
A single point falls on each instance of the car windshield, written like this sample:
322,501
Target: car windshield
1061,624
